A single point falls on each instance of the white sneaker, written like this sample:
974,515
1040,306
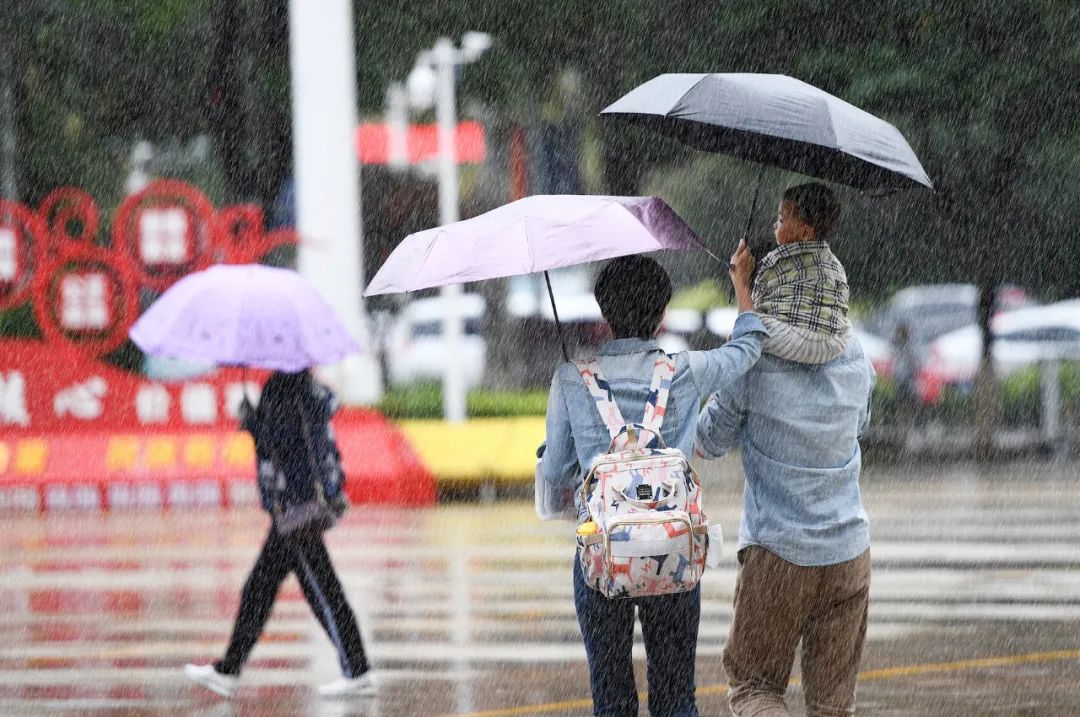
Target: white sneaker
362,686
211,679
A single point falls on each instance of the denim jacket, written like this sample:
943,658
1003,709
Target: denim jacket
575,431
798,426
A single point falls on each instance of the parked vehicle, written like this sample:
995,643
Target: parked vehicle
932,310
527,296
1021,338
677,329
417,343
877,349
721,321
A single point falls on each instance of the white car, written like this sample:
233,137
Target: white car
721,322
681,321
1021,338
932,310
527,296
417,343
878,350
675,327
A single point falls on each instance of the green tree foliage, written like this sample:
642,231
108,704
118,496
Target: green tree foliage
93,76
985,92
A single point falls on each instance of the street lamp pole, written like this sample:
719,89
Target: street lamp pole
435,73
444,57
327,175
397,126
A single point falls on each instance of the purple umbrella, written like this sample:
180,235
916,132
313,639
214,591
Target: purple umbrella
533,234
246,315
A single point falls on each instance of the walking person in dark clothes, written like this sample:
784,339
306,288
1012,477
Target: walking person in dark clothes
292,433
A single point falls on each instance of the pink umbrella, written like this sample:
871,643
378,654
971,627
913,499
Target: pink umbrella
244,315
533,234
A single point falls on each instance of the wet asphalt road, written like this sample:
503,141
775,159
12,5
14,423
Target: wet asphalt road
467,610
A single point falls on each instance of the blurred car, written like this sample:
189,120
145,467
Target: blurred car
877,349
932,310
527,296
417,343
1021,338
721,321
676,329
681,321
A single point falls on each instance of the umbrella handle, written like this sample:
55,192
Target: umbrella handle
555,313
753,204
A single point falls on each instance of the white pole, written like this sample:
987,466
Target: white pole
445,60
1050,373
327,177
397,125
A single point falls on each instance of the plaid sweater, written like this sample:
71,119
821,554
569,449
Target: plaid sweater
803,285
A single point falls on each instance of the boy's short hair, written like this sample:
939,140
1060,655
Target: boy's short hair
816,205
633,292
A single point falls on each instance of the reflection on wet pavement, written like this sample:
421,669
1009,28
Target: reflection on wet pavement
467,608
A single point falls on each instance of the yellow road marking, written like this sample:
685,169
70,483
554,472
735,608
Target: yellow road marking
887,673
534,709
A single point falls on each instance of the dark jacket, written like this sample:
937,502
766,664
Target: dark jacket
294,441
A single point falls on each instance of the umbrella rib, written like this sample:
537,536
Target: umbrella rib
427,253
832,124
528,245
689,89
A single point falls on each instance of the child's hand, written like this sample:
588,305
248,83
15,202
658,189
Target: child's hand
742,265
741,269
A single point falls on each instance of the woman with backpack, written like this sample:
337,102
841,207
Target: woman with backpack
300,481
631,377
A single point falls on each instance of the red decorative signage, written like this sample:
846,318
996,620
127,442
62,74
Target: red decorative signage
421,143
85,296
78,432
22,235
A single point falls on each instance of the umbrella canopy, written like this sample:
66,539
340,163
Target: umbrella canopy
244,315
531,235
778,121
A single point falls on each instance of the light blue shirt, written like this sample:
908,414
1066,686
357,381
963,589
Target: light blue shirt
575,431
798,426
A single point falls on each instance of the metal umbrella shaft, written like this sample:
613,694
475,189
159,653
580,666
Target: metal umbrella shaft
555,313
749,218
753,204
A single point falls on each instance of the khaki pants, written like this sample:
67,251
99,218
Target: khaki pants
777,604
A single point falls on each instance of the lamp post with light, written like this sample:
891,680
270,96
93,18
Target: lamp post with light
433,80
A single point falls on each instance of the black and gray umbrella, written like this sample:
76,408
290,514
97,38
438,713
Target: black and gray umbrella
776,121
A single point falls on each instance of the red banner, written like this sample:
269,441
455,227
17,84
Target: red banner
78,432
421,143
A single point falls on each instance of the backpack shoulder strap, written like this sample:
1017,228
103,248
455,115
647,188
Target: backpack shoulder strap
659,389
600,390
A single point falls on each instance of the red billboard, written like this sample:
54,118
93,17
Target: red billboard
76,430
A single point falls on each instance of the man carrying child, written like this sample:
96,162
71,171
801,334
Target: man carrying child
797,415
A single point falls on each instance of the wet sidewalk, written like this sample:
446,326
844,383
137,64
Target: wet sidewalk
467,610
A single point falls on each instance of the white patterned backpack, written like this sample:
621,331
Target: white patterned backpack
648,534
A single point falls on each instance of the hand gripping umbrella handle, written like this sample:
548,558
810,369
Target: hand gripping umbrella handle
750,216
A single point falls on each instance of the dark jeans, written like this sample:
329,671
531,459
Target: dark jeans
305,556
669,624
